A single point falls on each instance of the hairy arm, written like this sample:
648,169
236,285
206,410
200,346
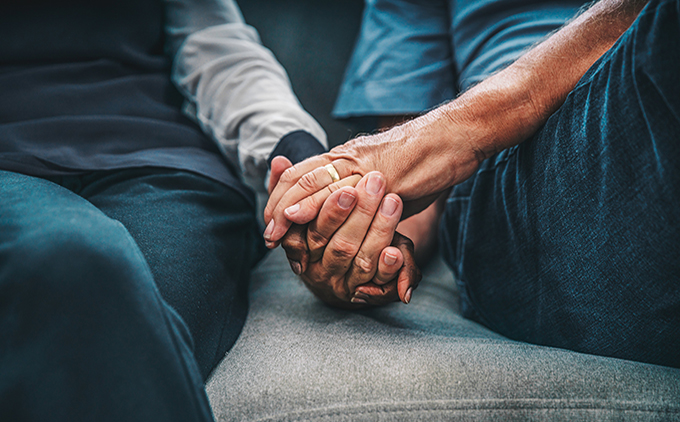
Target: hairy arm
514,103
425,156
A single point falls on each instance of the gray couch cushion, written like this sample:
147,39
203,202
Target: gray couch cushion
300,360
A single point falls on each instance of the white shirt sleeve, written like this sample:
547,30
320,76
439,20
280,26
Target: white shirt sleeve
235,88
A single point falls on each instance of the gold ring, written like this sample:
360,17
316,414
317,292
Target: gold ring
333,172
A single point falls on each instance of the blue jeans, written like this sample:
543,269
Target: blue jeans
119,292
572,238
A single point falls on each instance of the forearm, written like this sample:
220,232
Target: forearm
510,106
425,156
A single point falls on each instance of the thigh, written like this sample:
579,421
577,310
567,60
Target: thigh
402,62
201,240
81,318
572,239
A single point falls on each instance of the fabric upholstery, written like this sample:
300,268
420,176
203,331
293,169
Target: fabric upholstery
298,359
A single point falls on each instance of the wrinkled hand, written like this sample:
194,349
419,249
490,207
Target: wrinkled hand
419,160
351,253
445,146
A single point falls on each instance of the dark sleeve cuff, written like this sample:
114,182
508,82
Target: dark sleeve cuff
297,146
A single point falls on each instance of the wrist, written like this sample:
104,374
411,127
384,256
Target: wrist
496,114
297,146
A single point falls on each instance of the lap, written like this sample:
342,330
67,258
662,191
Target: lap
195,238
40,217
80,312
581,222
200,239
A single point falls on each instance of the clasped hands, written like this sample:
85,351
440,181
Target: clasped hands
350,255
340,235
418,162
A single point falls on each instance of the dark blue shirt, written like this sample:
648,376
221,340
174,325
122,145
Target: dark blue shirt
85,86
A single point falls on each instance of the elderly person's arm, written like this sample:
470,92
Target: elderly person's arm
422,158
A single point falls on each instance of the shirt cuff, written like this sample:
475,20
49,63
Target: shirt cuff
297,146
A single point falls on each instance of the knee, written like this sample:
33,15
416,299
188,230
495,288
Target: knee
72,262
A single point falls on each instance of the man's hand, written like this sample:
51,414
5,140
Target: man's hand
351,252
426,155
419,160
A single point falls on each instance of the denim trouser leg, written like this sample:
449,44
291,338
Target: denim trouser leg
572,239
200,239
90,325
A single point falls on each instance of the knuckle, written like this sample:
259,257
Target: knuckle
335,218
311,203
334,187
289,176
316,240
385,277
364,265
382,230
343,250
366,207
295,237
308,182
293,243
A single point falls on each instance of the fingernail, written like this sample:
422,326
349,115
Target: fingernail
359,295
292,209
390,259
269,230
295,266
374,184
346,200
357,300
409,292
389,207
269,245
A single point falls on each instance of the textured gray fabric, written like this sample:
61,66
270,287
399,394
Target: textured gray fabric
300,360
